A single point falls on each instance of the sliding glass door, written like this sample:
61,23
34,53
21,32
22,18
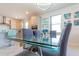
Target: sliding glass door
56,27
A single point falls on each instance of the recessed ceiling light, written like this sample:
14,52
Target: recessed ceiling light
27,12
16,17
19,17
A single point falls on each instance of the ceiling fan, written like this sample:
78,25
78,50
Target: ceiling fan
44,6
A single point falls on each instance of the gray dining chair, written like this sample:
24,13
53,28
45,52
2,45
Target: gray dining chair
64,39
61,50
35,48
52,34
29,51
27,35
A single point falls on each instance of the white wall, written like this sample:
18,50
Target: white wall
33,20
74,35
24,21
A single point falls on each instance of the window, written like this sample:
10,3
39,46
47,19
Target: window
26,25
56,19
56,26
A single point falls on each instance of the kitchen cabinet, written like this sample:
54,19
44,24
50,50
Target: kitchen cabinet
4,21
8,20
11,22
16,24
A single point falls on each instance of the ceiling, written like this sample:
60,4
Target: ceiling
19,9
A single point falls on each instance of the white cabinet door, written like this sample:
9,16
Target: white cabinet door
1,19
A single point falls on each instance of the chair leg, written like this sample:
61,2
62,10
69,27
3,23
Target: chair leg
40,51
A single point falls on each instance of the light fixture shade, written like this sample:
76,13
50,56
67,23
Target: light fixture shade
43,6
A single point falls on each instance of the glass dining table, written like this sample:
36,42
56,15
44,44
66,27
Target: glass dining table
41,44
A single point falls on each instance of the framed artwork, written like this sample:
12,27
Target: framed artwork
76,14
76,22
67,16
66,22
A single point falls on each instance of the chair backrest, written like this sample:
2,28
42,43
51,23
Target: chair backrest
45,30
52,34
61,50
64,39
38,33
12,33
27,34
